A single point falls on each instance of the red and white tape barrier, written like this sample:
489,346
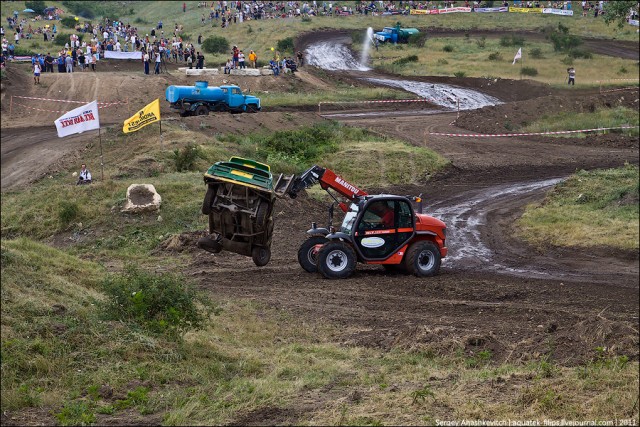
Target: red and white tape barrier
74,102
498,135
111,104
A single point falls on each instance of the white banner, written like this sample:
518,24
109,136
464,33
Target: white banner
557,11
78,120
634,22
491,9
111,54
454,10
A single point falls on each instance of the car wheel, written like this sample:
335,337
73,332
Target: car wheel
260,256
202,110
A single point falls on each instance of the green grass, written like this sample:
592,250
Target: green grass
602,117
249,357
298,99
494,61
598,208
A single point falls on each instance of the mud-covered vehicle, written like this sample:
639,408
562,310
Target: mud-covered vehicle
239,202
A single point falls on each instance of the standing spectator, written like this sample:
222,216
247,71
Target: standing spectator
190,61
81,61
572,76
145,59
16,37
48,63
236,53
253,59
158,60
92,59
184,7
200,64
68,61
300,56
36,73
241,60
60,62
200,39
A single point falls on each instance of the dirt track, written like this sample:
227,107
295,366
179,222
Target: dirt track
584,299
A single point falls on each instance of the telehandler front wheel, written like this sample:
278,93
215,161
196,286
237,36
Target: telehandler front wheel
336,260
307,257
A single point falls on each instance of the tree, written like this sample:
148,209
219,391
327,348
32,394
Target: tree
37,6
618,11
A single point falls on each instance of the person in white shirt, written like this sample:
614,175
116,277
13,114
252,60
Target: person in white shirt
158,60
118,47
85,176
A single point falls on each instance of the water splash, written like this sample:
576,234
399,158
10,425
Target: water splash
333,56
366,46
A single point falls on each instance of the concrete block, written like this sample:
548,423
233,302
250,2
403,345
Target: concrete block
201,71
245,72
142,198
266,72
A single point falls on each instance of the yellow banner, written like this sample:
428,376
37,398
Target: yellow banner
526,9
149,114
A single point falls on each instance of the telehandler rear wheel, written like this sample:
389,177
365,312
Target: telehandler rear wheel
423,259
306,256
336,260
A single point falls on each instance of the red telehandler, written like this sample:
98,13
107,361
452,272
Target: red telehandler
377,229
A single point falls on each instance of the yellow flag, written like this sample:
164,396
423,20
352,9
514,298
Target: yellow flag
149,114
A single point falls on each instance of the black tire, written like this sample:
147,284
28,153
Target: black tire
336,260
423,259
208,199
262,214
252,108
260,255
201,110
306,259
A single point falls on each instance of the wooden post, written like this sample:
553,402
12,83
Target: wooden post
458,102
161,144
10,105
128,107
319,108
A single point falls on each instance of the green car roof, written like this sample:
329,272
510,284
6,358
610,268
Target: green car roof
242,171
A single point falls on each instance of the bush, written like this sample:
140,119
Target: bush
564,42
536,53
185,158
579,53
442,61
37,6
68,212
417,40
529,71
447,48
286,45
481,42
459,74
306,19
623,70
69,22
139,20
406,60
215,44
567,60
160,303
495,56
512,40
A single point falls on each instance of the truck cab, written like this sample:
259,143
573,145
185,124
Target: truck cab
237,101
395,34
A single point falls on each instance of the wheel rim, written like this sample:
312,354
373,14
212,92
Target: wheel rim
311,257
426,260
336,260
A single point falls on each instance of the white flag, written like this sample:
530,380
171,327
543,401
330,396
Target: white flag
518,56
78,120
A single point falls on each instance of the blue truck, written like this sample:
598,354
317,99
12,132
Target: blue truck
395,34
200,99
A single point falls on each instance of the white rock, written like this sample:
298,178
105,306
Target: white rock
142,198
